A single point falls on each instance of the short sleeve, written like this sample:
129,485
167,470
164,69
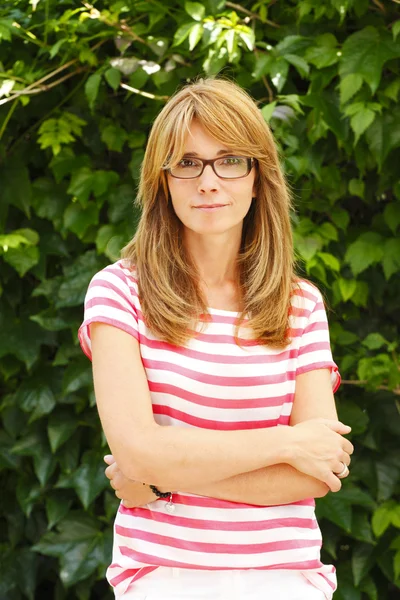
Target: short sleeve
315,348
110,298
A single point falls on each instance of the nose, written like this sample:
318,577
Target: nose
208,180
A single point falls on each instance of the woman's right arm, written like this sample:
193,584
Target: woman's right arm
174,457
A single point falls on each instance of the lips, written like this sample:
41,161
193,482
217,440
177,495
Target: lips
210,205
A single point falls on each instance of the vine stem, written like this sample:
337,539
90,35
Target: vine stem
140,93
253,15
43,88
46,116
8,117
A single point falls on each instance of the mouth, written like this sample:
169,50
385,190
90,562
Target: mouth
210,207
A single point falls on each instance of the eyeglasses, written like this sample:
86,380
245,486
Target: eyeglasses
227,167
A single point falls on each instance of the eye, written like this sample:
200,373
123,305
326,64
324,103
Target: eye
187,162
232,160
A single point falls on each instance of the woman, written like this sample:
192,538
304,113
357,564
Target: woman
212,370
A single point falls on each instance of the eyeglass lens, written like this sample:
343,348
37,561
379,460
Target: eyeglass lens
229,167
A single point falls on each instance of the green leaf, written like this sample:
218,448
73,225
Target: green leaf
384,135
195,10
391,215
324,53
391,257
92,89
362,560
113,78
308,246
388,476
351,414
195,35
330,261
364,252
347,288
267,111
349,85
299,63
337,511
381,519
89,480
114,137
365,52
361,527
361,121
61,426
396,29
78,220
373,341
357,188
182,33
57,507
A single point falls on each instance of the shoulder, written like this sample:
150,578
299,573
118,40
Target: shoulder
306,298
120,274
118,279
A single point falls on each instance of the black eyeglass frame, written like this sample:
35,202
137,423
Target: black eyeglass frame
250,164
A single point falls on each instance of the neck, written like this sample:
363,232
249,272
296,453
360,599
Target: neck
215,258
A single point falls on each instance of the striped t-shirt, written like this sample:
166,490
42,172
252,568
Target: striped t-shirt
215,384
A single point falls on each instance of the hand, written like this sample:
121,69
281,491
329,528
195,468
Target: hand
319,449
132,493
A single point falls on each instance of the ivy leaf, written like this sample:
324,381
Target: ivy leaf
365,52
337,511
391,257
92,88
182,33
114,137
60,428
89,479
373,341
267,111
391,214
349,85
195,10
362,560
113,78
364,252
384,135
324,53
347,288
195,35
381,519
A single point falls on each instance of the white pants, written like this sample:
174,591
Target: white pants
172,583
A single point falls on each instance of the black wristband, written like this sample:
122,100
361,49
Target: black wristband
158,493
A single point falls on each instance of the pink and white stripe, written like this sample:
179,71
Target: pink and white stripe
214,384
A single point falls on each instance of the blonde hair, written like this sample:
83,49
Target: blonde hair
168,280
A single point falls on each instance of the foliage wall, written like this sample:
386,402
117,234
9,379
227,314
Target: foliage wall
80,85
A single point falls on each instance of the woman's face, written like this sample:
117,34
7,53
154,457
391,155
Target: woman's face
189,195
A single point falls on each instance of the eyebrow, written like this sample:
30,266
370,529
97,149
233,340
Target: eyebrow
223,151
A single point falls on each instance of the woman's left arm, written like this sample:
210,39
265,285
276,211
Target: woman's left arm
277,484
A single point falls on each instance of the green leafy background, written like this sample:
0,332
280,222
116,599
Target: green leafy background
80,85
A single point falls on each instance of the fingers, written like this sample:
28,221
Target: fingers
337,426
345,458
111,471
333,482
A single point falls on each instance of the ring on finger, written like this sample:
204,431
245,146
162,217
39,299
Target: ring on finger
344,472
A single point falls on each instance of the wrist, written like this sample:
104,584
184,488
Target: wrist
286,452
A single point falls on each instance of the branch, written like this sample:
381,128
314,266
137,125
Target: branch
96,14
43,88
26,133
395,391
251,14
140,93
